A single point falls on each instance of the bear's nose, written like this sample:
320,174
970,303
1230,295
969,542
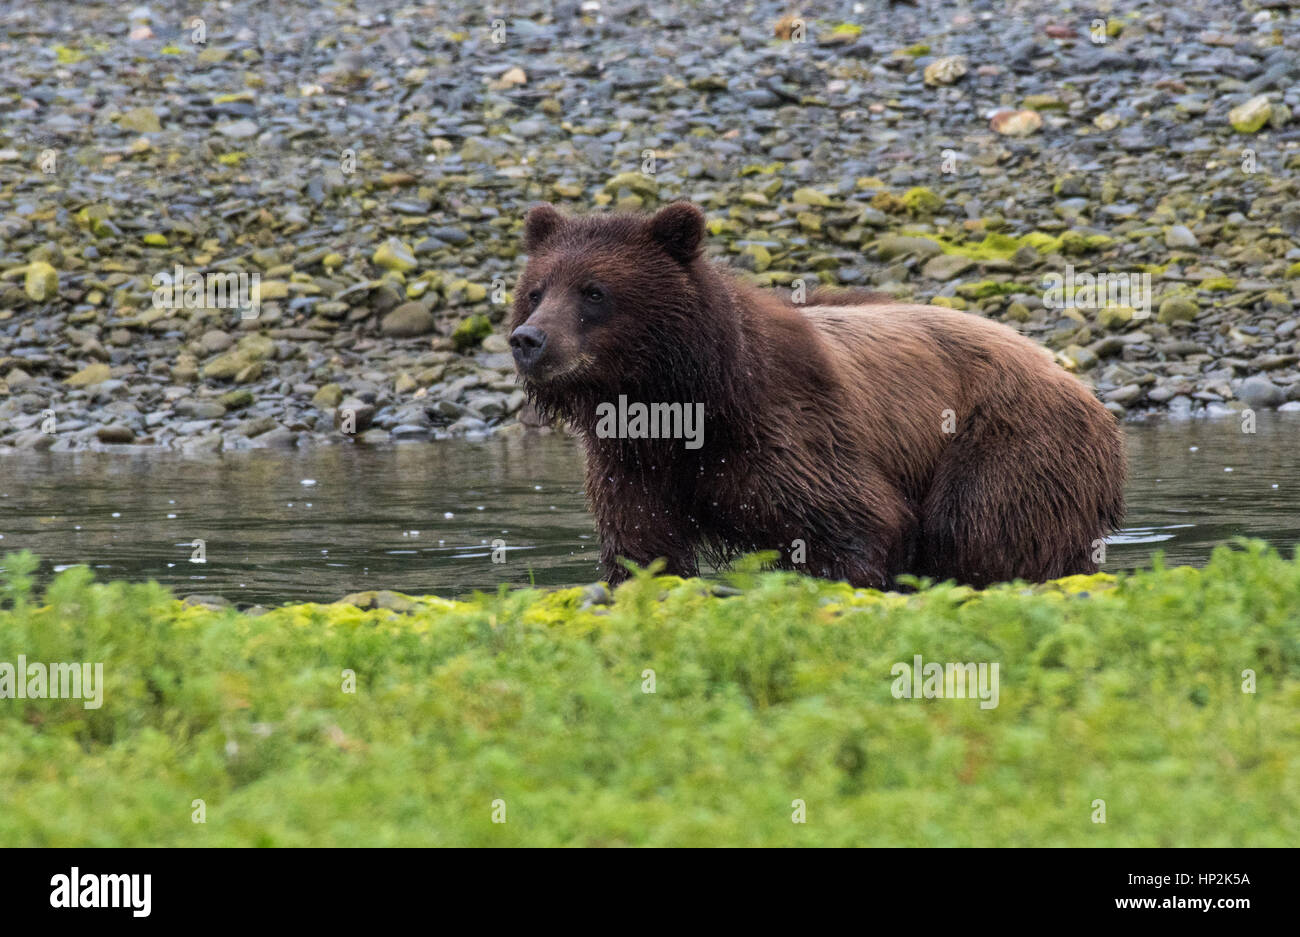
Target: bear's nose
527,342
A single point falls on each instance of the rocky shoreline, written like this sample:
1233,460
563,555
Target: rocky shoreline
365,169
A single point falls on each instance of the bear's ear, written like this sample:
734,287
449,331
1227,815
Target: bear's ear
542,222
679,229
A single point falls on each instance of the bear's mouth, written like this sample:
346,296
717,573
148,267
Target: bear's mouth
545,374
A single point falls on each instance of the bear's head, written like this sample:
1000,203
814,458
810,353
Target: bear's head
607,302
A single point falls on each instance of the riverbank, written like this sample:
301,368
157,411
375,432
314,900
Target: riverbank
1152,709
366,173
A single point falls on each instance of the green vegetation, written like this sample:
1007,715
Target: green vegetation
1126,689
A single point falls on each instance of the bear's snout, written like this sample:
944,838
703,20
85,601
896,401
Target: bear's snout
527,342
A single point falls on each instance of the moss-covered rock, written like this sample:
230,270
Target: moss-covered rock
922,201
1251,116
1177,309
470,332
41,282
394,254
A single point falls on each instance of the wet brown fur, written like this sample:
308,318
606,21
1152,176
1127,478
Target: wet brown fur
823,423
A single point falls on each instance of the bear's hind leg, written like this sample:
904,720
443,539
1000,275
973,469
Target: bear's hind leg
1022,501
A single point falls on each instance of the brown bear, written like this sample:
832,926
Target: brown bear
859,437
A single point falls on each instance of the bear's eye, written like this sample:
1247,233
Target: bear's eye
534,297
593,293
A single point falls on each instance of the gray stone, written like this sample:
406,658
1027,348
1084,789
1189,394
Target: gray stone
1180,236
407,321
946,266
1259,391
195,409
896,245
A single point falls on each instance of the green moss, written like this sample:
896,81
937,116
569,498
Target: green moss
811,197
1128,689
996,246
471,331
1078,242
1219,284
887,202
68,56
986,288
921,201
762,257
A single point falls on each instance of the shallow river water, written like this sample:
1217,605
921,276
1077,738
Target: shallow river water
314,525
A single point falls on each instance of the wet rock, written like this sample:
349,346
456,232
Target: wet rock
195,409
32,439
279,438
354,416
202,445
1260,392
407,321
115,433
213,602
596,594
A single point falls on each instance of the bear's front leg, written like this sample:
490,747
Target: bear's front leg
615,572
638,517
615,545
637,531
